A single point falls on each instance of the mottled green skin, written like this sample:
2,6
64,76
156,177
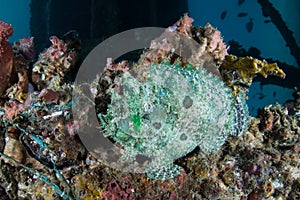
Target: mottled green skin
170,113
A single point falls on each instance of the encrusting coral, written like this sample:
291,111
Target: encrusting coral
53,63
194,44
178,120
6,55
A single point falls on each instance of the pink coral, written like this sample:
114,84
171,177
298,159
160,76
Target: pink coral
49,96
192,44
115,192
6,55
25,47
6,31
184,25
57,49
13,108
215,45
121,67
164,46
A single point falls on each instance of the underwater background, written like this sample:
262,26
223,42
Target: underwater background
230,17
190,121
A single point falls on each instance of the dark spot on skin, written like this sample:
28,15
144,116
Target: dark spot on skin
183,137
157,125
187,102
141,159
146,116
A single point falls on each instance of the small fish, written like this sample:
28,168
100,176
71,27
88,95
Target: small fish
241,2
223,14
267,21
242,14
261,96
249,25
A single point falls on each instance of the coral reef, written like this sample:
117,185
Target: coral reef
25,47
43,158
19,84
208,42
53,63
6,55
292,73
114,191
240,71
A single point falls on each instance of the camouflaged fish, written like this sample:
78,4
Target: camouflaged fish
170,113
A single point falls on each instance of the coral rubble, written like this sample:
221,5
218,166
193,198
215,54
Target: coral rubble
43,158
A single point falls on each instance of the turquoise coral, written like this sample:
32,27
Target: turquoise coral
170,113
